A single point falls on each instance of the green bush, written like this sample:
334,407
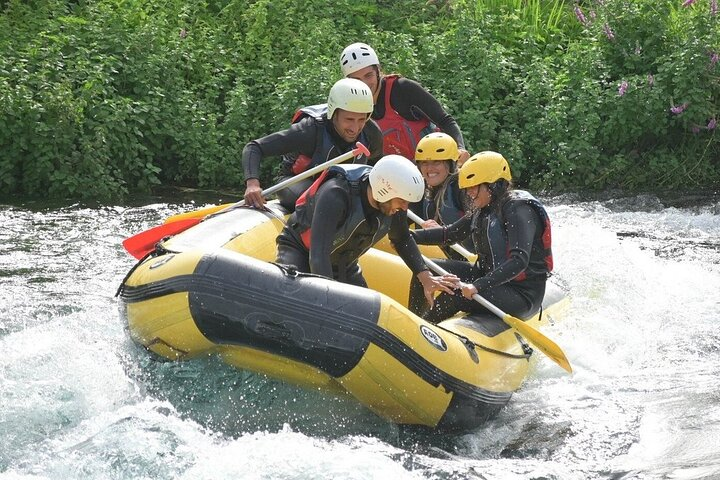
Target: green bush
104,99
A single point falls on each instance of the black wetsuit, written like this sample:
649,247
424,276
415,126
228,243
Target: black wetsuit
495,279
333,207
303,138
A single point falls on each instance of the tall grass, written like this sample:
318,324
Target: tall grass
542,17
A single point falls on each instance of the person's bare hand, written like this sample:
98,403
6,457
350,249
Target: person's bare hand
433,283
468,290
253,194
462,158
430,224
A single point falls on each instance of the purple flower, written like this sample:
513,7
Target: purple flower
714,58
608,32
651,80
687,3
623,88
713,7
678,109
183,33
712,124
695,129
579,14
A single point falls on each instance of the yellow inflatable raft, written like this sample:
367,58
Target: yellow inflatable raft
212,290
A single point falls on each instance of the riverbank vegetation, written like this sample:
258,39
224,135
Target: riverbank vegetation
101,99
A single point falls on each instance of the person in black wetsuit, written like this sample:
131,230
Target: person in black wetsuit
322,133
346,211
404,110
511,232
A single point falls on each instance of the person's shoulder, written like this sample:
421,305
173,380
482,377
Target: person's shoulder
309,122
372,128
454,185
516,204
335,191
408,84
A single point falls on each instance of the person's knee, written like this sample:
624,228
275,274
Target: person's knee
289,195
287,199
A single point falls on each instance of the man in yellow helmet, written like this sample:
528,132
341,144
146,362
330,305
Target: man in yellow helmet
511,233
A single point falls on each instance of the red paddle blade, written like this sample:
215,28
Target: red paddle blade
144,242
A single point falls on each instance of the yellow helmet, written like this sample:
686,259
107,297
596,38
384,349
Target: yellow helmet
436,146
484,167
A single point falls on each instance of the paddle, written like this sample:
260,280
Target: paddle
201,213
144,242
543,343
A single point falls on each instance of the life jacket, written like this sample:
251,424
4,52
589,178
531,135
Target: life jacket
357,234
400,135
325,148
490,238
452,208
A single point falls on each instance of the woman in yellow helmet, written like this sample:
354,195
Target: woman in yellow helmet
511,233
443,203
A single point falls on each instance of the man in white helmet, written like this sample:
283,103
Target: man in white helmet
404,110
346,211
318,133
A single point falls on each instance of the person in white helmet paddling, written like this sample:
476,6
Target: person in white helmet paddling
318,133
346,211
404,110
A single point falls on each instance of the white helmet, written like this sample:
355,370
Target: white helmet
356,57
351,95
396,176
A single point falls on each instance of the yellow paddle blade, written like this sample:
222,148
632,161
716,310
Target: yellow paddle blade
540,341
201,213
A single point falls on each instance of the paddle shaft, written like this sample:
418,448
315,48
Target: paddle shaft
144,242
217,209
359,149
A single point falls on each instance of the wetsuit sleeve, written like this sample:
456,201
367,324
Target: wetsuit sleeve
405,244
453,233
521,223
301,137
411,100
331,209
375,140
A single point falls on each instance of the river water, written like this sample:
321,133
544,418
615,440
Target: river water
80,400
